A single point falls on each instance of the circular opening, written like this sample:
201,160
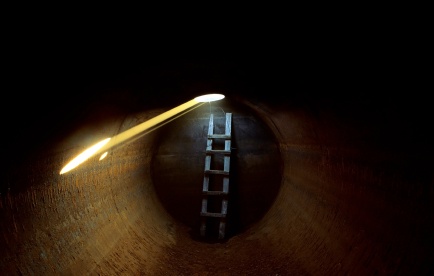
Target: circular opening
178,166
209,98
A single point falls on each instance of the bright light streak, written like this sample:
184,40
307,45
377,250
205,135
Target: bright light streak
103,156
108,143
84,156
209,98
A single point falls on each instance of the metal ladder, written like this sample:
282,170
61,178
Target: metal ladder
216,174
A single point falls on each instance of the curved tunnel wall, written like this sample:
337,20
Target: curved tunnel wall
103,218
344,206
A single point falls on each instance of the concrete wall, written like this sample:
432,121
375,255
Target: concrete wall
354,197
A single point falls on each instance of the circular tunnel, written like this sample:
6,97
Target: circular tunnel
177,168
318,186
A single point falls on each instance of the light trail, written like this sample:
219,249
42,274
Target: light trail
104,145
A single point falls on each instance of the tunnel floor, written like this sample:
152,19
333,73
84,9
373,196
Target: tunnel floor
239,255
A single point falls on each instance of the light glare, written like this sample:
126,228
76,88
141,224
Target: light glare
209,98
84,156
103,156
126,135
122,137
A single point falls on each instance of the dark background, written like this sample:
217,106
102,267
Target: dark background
58,75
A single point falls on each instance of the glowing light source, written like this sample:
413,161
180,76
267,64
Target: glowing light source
105,144
84,156
103,156
209,98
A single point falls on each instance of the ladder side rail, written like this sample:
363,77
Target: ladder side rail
227,159
205,186
228,123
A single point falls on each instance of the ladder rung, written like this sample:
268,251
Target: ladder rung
218,136
216,172
214,193
216,215
218,151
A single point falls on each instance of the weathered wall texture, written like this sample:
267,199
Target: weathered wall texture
347,206
103,218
